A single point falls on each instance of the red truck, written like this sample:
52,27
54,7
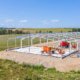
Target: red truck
66,44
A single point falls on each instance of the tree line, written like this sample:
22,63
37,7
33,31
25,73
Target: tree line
75,29
9,31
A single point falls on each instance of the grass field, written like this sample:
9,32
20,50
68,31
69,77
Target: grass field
48,29
13,71
3,41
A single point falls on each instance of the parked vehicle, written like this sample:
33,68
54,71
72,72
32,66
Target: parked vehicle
66,44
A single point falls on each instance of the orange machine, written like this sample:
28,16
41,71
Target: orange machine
60,51
48,49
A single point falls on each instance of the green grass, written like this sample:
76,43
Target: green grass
3,41
49,29
10,70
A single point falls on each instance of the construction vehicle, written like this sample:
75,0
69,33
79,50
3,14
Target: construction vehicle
51,50
66,44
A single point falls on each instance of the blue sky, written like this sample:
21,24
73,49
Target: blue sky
40,13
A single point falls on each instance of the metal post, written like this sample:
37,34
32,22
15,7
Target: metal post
53,39
66,37
61,50
28,40
15,42
44,40
76,35
70,47
58,37
21,43
77,44
47,45
31,41
7,45
40,41
59,43
47,40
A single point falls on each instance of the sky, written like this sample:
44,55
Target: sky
40,13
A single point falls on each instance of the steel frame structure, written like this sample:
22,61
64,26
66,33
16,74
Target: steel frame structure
66,36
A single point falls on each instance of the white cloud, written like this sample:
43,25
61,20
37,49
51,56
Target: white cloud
54,20
1,24
8,20
23,21
45,22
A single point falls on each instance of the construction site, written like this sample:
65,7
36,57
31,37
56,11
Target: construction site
59,50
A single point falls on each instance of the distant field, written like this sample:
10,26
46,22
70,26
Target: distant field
48,29
43,30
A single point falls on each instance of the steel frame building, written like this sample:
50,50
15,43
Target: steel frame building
65,36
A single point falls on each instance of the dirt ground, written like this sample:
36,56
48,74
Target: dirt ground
68,63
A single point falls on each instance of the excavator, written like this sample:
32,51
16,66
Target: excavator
51,49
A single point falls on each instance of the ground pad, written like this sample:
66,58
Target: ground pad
37,50
34,50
